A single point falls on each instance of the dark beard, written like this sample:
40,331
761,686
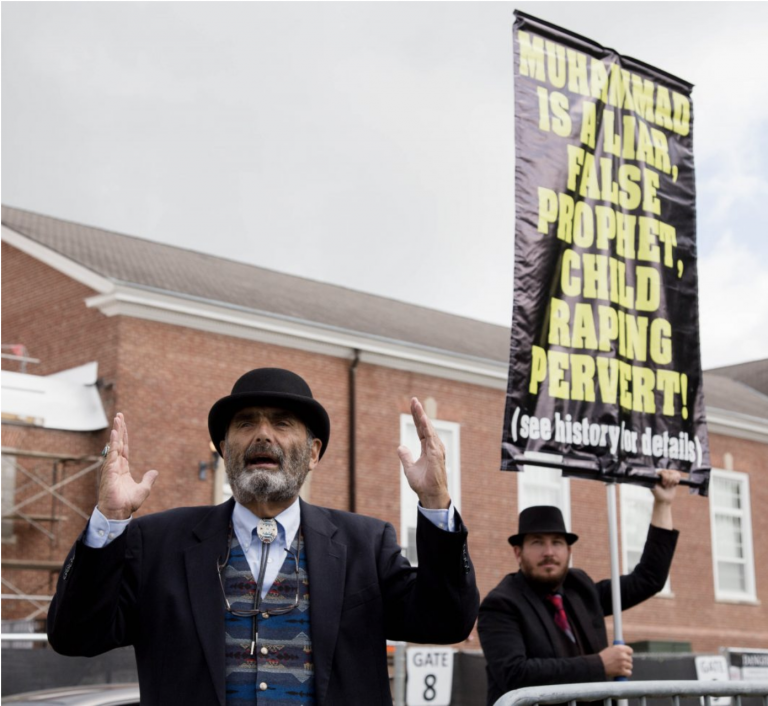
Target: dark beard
547,584
543,584
260,485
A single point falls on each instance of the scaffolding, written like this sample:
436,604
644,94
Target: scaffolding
43,484
19,353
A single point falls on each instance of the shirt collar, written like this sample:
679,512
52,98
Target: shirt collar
245,522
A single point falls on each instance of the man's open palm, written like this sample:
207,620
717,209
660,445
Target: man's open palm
119,495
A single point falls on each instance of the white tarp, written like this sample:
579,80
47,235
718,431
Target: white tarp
67,400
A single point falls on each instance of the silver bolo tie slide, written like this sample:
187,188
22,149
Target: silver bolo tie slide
266,531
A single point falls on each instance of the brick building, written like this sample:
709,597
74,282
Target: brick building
171,329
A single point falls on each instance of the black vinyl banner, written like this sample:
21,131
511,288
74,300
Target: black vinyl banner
605,366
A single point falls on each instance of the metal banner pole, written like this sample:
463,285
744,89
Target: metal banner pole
613,537
400,673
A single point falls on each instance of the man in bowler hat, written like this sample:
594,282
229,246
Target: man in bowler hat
545,624
264,599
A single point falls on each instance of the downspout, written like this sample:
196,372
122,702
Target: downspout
353,432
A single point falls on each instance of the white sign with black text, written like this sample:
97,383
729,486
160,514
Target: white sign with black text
713,668
430,676
749,664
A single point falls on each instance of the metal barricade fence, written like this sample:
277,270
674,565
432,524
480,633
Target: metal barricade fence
640,690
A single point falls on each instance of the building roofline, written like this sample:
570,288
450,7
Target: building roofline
113,297
60,263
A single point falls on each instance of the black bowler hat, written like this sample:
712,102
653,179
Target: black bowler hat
541,519
270,387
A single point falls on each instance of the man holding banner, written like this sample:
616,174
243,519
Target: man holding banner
546,623
605,377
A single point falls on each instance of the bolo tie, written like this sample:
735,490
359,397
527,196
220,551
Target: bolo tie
266,531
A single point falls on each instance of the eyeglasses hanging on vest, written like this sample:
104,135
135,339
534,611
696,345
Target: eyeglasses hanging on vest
267,533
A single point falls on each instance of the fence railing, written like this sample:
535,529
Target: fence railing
641,690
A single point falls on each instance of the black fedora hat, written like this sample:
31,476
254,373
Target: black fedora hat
541,519
270,387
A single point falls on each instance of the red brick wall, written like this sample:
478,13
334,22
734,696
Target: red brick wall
164,378
45,310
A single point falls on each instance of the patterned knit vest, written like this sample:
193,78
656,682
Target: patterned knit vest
281,671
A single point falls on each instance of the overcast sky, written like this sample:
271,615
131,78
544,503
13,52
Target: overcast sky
369,145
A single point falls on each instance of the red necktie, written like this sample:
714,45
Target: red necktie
561,619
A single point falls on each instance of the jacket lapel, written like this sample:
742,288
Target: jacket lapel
326,565
210,538
584,620
540,609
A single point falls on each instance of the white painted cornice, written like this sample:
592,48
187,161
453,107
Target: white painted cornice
231,320
129,300
742,426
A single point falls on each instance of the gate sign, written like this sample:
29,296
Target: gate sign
713,668
430,676
605,367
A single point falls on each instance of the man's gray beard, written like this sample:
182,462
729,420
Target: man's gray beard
261,485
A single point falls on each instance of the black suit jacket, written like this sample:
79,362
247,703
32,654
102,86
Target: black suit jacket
518,633
156,588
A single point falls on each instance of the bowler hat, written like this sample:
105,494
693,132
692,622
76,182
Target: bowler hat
541,519
270,387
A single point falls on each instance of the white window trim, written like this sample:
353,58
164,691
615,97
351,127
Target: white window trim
407,519
749,559
565,488
623,492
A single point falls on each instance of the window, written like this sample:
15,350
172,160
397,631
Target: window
636,511
541,485
731,535
449,435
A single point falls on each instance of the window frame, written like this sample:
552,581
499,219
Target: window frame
749,594
565,484
625,490
408,499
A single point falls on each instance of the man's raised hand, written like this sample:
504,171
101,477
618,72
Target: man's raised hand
119,495
427,476
663,495
664,490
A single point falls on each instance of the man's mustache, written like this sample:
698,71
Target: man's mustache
260,451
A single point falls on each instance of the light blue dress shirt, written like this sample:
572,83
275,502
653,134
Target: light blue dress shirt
102,531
